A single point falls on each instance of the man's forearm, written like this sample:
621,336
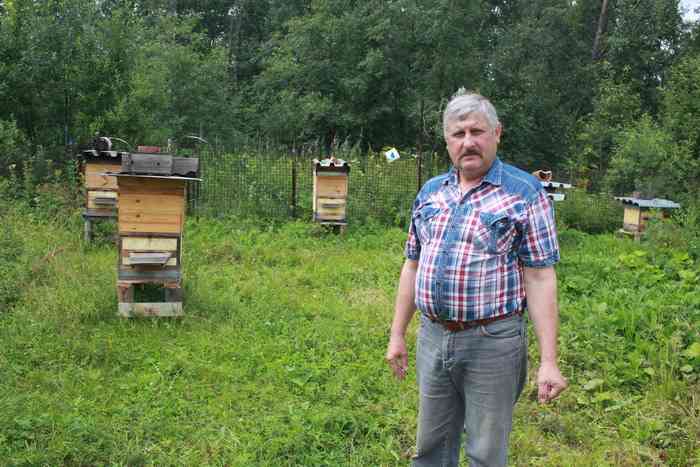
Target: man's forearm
397,354
541,293
405,299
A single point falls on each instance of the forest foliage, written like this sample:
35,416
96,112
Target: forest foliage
607,97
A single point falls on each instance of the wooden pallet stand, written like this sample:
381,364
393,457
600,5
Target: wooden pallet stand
152,206
171,306
636,236
330,192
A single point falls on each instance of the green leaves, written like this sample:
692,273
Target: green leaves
636,259
593,384
640,161
693,351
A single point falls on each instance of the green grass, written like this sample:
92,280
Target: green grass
279,360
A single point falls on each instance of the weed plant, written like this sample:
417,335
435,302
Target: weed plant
279,359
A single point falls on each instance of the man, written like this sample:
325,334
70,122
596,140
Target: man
480,249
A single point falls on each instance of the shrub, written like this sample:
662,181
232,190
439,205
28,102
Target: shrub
570,238
13,261
589,212
644,159
21,209
12,270
13,146
681,231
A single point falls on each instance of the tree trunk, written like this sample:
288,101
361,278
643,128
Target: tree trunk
600,32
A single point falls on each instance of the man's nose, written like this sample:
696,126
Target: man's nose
468,141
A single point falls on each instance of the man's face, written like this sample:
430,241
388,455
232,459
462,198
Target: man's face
472,145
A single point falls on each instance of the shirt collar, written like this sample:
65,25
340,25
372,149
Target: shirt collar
495,173
494,176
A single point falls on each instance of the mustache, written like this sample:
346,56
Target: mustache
471,152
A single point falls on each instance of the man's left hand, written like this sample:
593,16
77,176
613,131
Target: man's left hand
550,383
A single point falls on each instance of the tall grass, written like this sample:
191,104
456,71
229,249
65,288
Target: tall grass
279,360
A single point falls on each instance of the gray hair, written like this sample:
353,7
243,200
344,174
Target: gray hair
463,103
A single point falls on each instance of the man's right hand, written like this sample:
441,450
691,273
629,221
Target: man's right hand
397,356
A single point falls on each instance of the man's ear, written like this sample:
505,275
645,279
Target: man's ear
498,131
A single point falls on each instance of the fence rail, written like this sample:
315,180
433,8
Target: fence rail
278,186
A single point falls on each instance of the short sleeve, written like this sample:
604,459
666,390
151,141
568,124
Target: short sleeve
412,247
539,247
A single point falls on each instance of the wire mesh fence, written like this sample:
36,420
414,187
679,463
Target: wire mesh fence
277,184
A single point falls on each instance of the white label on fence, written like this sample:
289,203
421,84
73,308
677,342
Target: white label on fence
392,155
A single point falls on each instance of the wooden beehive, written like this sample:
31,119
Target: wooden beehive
101,190
638,211
152,206
330,191
551,187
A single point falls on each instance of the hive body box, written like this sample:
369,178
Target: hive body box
151,219
330,191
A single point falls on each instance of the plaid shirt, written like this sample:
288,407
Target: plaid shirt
471,247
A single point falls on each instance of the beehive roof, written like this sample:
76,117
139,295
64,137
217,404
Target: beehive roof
163,165
555,185
94,154
331,162
654,203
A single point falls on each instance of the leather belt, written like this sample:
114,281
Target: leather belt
456,326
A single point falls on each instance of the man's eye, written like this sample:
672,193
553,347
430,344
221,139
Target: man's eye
459,134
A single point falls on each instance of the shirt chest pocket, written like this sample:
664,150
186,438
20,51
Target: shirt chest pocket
425,221
496,233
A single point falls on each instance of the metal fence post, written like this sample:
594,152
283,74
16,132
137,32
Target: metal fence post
294,185
419,165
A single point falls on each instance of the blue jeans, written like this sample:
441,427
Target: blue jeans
468,380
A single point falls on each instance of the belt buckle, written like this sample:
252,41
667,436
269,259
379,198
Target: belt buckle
456,326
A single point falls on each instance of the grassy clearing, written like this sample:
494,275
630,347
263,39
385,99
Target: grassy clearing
279,360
